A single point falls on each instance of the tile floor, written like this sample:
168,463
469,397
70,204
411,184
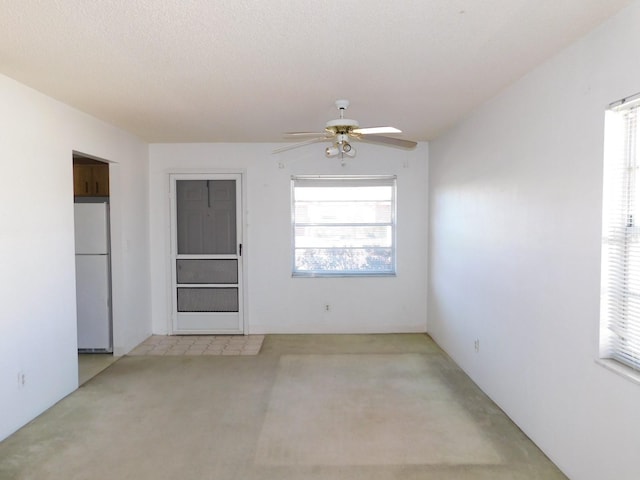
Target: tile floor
200,345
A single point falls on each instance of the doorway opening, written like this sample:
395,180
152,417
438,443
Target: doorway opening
93,265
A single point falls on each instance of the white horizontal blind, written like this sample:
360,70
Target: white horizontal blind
620,316
343,225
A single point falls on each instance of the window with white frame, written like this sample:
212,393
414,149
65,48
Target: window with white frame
343,226
620,305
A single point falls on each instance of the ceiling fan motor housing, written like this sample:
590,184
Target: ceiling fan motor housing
341,126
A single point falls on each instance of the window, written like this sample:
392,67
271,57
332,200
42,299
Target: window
343,226
620,307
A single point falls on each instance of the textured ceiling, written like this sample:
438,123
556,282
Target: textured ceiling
248,70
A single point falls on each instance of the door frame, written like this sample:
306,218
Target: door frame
240,177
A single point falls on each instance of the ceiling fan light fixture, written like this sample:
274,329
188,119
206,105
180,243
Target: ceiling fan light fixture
331,151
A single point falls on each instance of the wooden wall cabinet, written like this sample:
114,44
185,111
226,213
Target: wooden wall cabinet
91,180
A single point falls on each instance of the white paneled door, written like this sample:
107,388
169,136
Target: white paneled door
206,254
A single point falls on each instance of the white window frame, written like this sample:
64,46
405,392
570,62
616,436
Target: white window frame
343,181
620,302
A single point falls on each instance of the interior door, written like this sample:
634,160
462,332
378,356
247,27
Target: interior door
207,254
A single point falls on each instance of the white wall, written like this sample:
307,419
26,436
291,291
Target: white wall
515,208
277,303
37,265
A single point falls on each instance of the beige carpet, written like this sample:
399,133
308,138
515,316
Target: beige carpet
307,407
367,410
91,364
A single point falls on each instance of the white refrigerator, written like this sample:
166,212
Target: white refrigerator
93,277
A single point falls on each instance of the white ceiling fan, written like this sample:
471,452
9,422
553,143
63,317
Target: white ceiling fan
342,130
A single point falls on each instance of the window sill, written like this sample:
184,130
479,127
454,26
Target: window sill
620,369
341,275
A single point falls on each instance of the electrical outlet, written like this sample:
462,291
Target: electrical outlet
476,345
22,379
327,307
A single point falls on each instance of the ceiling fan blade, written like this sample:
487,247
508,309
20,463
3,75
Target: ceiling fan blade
375,130
300,144
396,142
304,134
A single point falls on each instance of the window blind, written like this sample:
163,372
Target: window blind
620,315
343,225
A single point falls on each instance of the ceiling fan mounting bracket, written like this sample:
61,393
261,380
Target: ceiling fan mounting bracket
342,104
